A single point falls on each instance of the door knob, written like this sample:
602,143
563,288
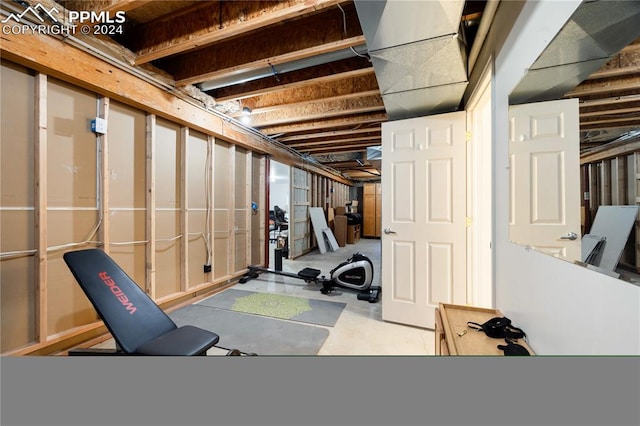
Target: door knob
389,231
569,236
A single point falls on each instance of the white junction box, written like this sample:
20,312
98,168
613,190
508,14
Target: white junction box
99,125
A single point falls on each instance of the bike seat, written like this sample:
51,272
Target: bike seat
309,273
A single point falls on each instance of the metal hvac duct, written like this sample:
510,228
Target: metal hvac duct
593,35
418,56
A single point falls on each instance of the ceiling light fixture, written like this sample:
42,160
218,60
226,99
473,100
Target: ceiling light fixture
246,111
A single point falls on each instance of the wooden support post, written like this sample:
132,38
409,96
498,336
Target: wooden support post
211,148
605,182
619,190
594,194
103,154
184,210
150,283
634,165
40,183
231,264
248,197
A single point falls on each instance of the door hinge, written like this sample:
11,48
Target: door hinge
467,222
467,136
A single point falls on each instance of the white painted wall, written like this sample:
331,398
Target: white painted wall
564,308
279,186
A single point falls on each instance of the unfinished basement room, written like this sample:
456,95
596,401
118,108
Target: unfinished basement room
351,179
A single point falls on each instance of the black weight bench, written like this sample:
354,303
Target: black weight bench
138,325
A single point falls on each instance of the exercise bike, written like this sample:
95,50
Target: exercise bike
356,273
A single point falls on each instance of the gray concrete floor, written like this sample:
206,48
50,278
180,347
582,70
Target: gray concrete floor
360,329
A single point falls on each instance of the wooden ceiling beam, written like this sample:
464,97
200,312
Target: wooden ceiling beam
317,34
333,141
330,134
205,26
191,72
609,112
318,110
338,149
313,102
124,5
610,150
608,101
319,74
361,146
105,5
364,119
342,88
620,122
599,87
623,63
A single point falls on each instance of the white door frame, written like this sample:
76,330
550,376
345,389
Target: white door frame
480,288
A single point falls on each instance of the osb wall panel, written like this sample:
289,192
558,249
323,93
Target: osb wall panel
67,306
17,274
167,186
126,176
71,154
222,203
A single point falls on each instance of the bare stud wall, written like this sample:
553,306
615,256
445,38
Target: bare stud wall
161,198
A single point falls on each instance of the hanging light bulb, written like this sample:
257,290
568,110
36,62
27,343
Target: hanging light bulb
246,115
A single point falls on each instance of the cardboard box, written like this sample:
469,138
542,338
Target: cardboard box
340,229
340,211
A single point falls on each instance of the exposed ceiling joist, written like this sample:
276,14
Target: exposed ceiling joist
314,83
211,22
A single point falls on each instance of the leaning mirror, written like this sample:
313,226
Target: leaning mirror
574,143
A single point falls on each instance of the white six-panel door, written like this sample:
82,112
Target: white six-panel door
544,169
423,217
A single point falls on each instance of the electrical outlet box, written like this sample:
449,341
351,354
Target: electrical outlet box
207,268
99,125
